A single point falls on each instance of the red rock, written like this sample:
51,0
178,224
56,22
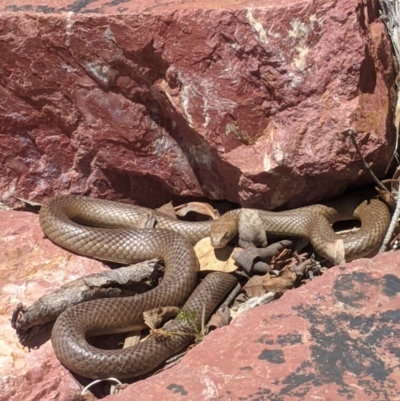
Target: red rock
336,338
234,102
30,267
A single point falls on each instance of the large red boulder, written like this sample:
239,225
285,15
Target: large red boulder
151,101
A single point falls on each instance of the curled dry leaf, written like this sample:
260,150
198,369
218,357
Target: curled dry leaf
197,207
259,285
212,259
336,250
255,286
303,267
245,258
168,209
132,338
219,319
30,203
280,261
389,197
285,281
155,317
258,260
392,192
261,268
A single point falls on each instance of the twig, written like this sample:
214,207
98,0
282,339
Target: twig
173,360
99,285
253,302
366,165
396,214
110,379
232,295
203,324
390,15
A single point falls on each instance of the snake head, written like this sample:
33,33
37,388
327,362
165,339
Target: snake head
222,232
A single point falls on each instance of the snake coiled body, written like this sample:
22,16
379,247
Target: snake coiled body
58,220
68,221
315,223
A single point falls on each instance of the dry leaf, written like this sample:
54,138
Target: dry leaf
219,319
212,259
392,193
258,260
390,196
197,207
287,273
30,203
279,262
154,317
280,284
245,258
132,338
167,209
301,268
255,286
335,249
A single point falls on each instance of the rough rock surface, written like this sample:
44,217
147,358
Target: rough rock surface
168,99
338,335
30,267
337,338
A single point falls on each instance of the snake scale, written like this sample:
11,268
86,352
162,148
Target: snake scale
105,230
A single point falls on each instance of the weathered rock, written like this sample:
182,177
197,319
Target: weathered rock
244,103
336,338
31,266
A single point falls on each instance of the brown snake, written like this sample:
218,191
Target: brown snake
114,239
58,220
315,223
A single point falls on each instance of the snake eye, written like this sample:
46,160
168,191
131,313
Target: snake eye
226,235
